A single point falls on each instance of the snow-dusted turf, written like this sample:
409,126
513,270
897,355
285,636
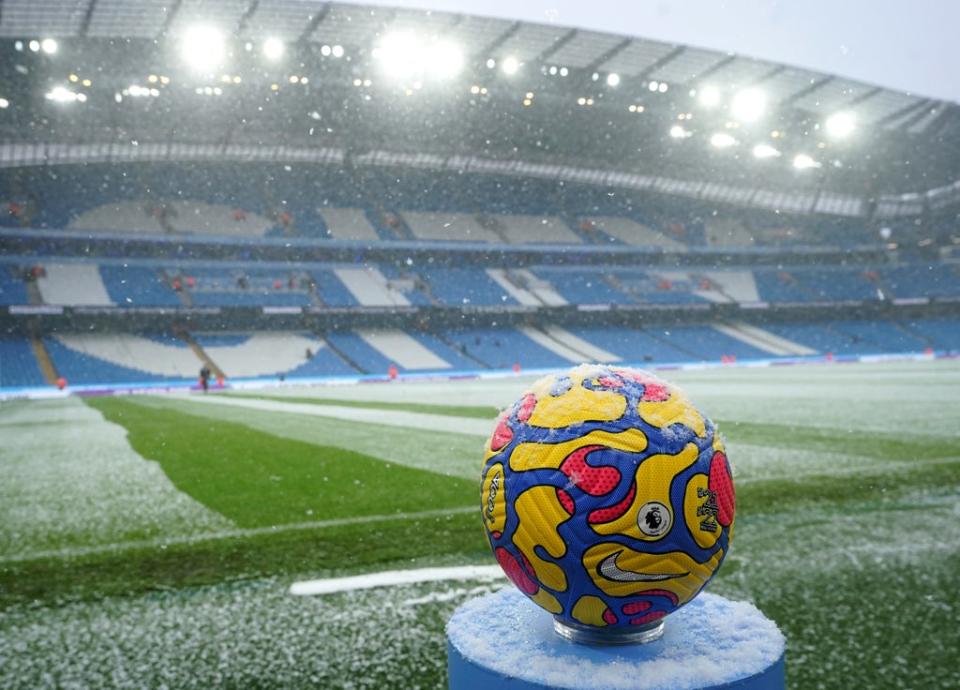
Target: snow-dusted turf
853,550
70,479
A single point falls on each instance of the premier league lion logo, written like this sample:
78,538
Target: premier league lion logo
607,497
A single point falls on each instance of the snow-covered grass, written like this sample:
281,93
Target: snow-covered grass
70,479
848,534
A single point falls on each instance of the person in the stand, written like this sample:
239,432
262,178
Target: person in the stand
309,353
205,377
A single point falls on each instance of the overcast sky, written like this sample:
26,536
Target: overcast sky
912,46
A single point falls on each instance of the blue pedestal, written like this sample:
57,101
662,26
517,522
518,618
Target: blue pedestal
504,640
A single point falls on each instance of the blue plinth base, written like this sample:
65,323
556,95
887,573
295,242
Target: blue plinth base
504,640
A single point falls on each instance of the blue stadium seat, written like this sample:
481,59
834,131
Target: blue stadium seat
18,365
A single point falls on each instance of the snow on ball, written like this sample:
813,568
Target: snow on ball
607,497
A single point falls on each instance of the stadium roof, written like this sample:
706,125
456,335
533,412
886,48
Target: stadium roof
362,78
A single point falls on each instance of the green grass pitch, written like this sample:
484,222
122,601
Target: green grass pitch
149,541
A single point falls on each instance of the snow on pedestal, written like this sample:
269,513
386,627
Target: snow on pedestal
504,640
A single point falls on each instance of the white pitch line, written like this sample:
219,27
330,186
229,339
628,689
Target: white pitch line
401,418
392,578
163,542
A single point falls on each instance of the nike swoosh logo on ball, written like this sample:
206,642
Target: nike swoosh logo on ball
609,569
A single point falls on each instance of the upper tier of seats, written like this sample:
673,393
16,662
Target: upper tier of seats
162,284
376,205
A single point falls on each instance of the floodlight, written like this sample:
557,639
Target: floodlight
749,105
709,96
4,103
337,51
203,47
273,48
325,50
678,132
803,162
840,125
34,45
444,59
400,55
613,79
765,151
60,94
510,65
49,46
722,140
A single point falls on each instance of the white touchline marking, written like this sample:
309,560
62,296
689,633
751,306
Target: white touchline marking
392,578
401,418
164,542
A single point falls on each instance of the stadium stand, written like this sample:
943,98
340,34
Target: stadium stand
449,227
138,286
582,286
85,359
349,224
370,287
629,231
12,288
526,288
18,365
267,353
73,284
467,286
330,289
524,229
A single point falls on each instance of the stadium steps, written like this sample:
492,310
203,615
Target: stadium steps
398,346
616,284
590,352
526,288
33,293
922,338
370,287
462,349
678,346
186,299
493,225
201,354
763,340
340,353
44,360
566,350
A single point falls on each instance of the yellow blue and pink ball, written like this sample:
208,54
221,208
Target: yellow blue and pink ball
607,497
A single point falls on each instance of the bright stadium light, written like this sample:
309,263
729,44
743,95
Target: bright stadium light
678,132
748,105
613,79
510,65
765,151
709,96
49,46
404,55
840,125
203,47
273,49
722,140
4,103
444,59
804,162
61,94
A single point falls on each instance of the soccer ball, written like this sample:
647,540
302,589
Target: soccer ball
607,498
